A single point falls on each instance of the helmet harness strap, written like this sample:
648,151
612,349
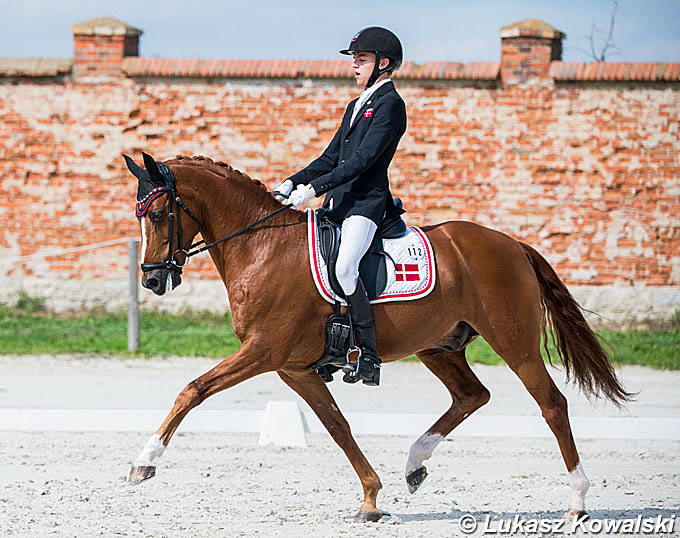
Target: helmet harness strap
377,72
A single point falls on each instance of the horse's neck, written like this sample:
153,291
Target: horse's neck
230,205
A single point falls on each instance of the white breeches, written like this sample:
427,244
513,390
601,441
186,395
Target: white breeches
355,239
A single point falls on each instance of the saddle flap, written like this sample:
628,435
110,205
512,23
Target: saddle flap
373,266
329,237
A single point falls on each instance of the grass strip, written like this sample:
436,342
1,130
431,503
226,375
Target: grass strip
27,330
160,334
656,349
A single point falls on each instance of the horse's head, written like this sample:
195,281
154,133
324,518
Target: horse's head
166,236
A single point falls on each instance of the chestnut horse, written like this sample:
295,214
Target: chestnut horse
504,289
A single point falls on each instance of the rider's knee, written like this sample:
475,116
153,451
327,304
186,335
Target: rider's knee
346,275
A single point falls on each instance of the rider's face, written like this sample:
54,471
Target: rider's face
363,67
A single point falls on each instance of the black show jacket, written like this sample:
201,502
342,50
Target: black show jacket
353,168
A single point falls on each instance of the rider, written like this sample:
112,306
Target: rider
352,172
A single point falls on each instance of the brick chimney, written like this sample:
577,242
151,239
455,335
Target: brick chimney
527,48
100,46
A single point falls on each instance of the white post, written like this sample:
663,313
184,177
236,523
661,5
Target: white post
283,425
133,296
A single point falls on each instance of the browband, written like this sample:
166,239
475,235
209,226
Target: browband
143,204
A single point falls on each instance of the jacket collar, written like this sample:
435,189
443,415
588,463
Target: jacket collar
382,90
369,92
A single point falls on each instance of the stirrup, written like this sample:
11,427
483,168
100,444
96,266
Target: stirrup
368,371
350,369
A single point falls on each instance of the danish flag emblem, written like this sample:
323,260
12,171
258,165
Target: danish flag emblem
407,272
368,113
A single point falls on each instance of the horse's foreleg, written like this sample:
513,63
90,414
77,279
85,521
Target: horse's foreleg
312,389
247,362
468,395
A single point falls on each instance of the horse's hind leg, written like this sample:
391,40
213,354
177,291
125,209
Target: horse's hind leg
313,390
531,370
467,394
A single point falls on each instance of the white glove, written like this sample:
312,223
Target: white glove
283,190
300,195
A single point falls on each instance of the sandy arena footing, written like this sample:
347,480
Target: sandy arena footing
224,484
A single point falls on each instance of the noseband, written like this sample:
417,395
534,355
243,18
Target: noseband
175,203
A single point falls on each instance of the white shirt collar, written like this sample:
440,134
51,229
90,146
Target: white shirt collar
370,91
365,96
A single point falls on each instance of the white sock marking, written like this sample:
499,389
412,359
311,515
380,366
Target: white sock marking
422,450
579,486
153,449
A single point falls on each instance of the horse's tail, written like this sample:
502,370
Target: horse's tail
577,345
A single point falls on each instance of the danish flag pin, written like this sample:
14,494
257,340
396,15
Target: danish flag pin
368,113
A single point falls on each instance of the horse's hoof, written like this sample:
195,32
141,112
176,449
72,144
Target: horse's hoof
576,515
363,516
415,479
140,473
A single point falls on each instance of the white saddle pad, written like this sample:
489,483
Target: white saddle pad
410,265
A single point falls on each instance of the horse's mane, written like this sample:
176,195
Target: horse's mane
220,168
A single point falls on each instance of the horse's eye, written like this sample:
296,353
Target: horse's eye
156,215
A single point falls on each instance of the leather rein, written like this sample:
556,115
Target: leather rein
175,204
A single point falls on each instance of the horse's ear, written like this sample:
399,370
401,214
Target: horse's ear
136,170
151,166
145,182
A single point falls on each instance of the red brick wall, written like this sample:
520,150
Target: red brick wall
528,58
96,55
588,173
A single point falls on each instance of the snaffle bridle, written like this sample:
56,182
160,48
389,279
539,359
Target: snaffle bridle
176,203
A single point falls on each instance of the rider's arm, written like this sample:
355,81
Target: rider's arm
389,121
325,163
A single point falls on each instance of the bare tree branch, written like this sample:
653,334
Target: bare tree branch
592,42
608,42
610,36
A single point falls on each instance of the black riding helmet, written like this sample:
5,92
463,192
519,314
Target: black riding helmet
381,42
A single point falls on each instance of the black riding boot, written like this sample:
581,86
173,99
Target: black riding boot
364,324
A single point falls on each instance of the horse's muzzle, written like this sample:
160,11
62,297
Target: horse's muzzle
161,281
